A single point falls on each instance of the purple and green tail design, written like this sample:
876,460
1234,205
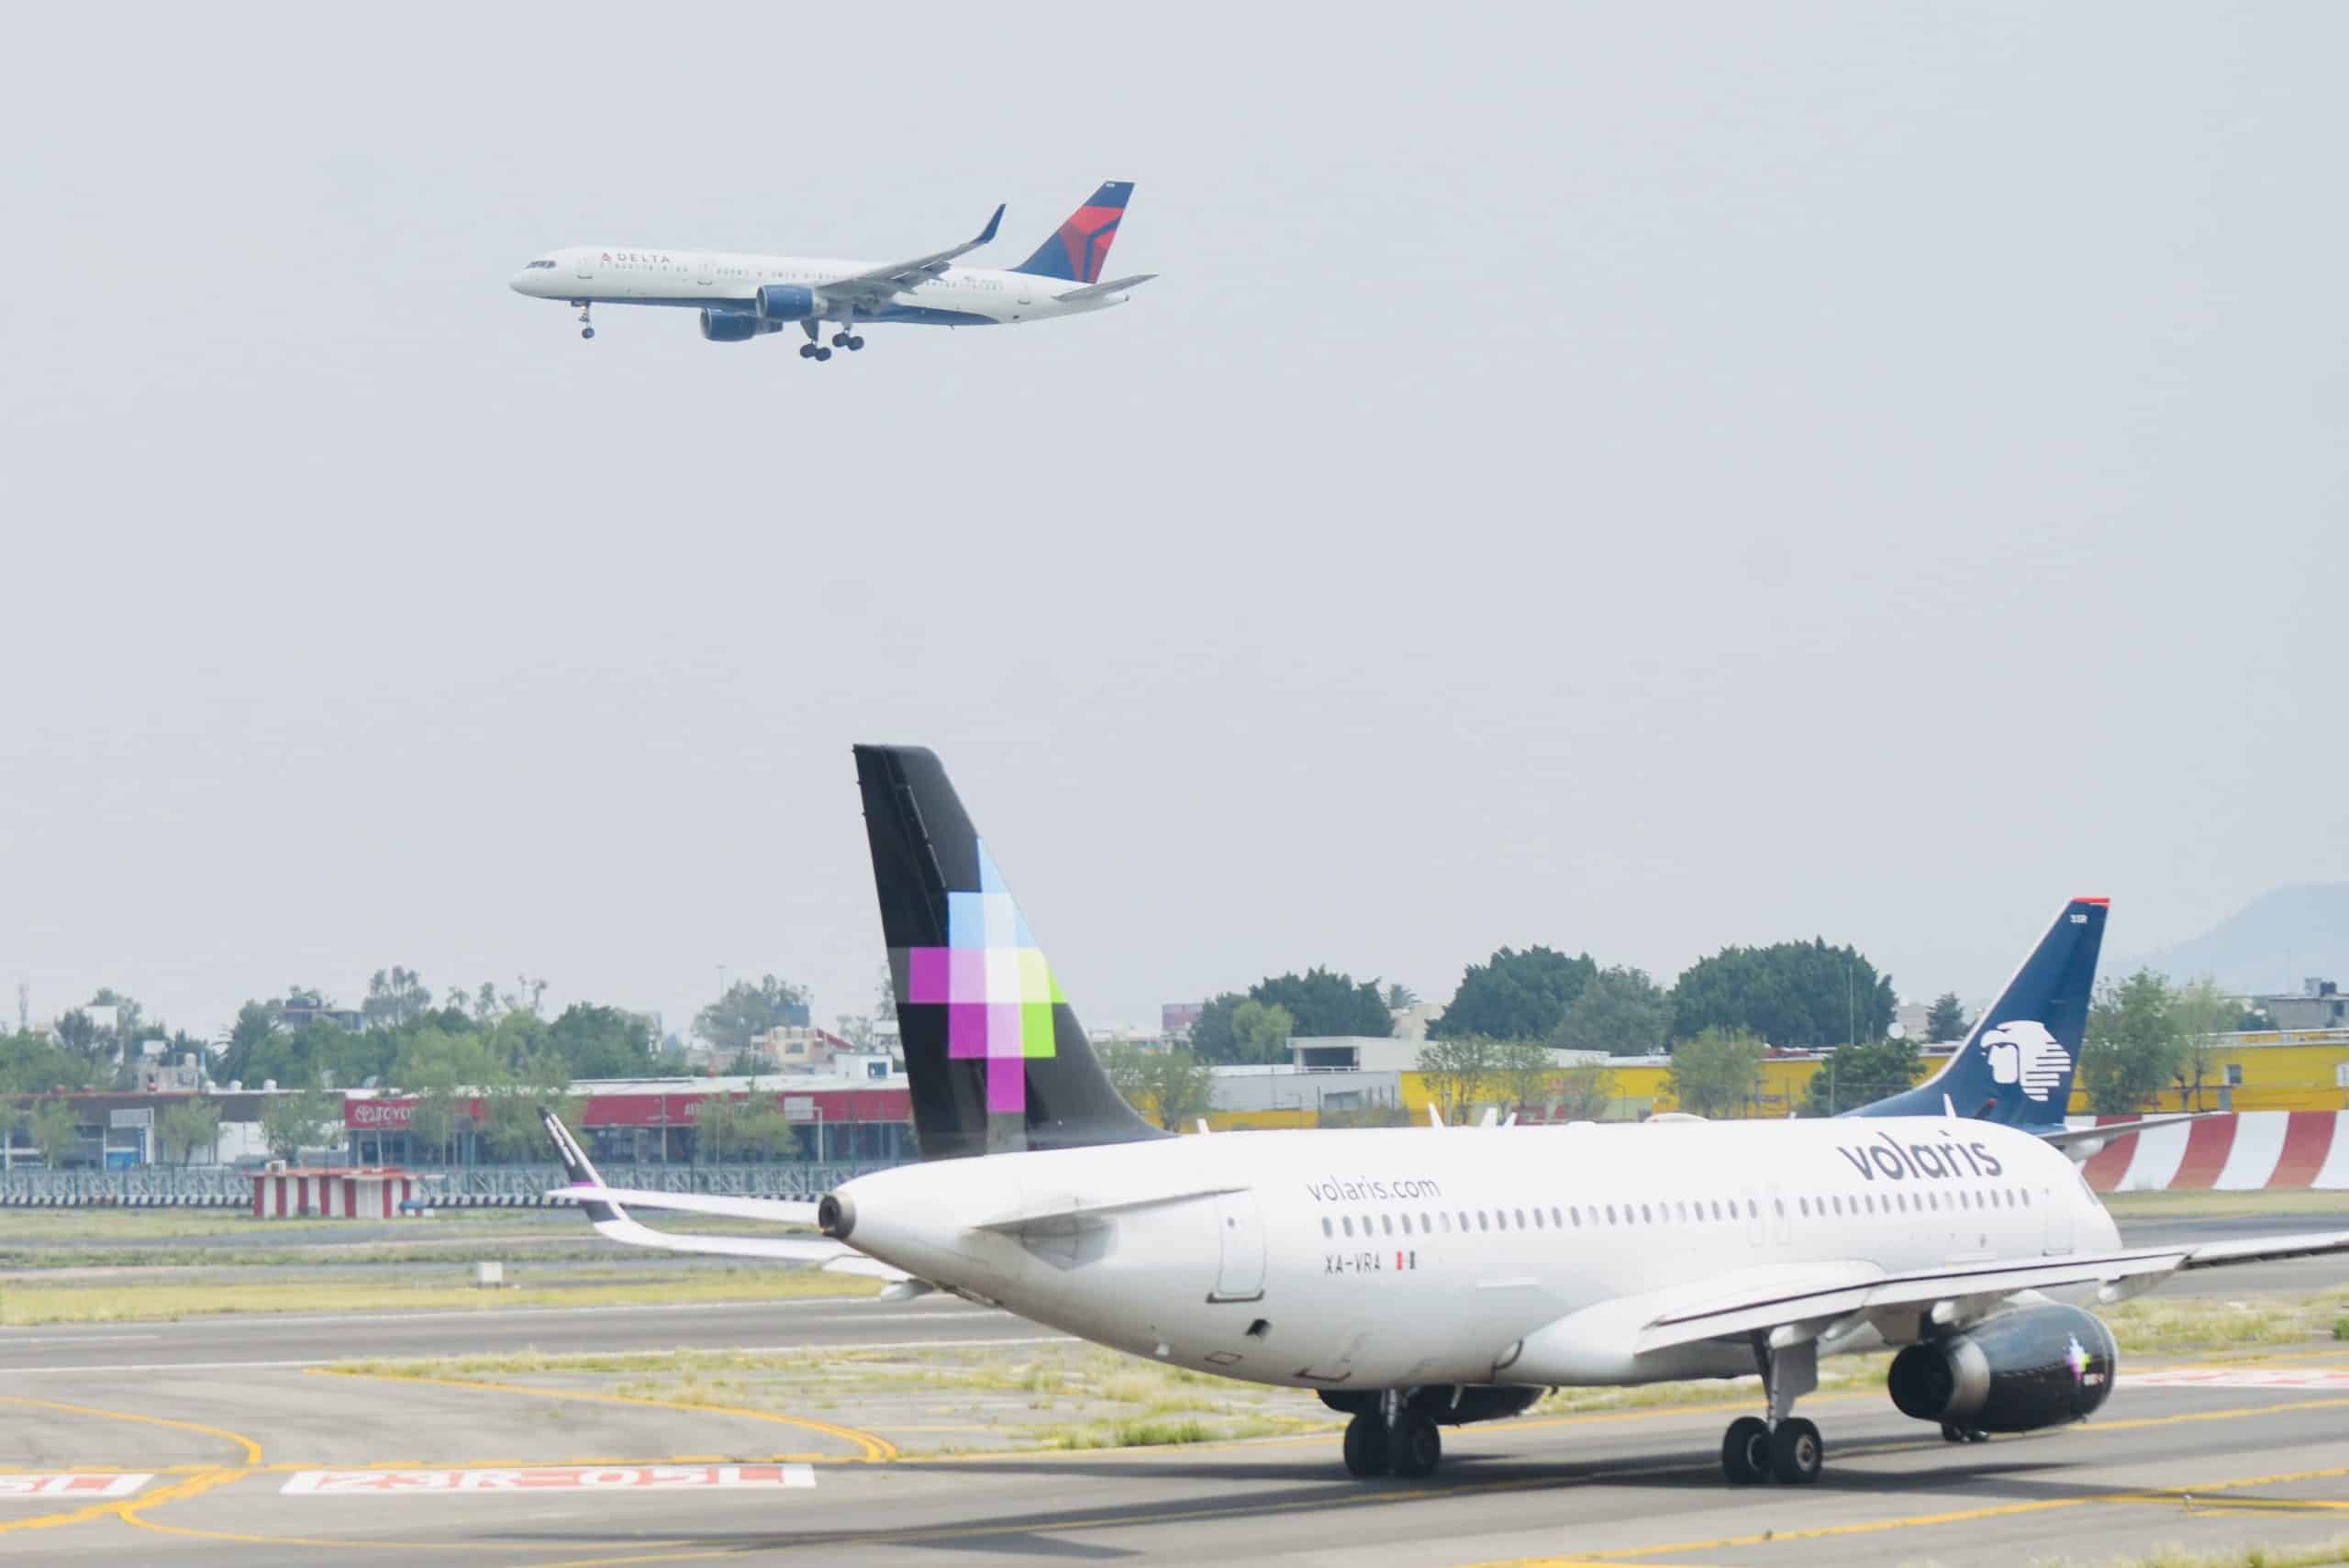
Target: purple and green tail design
997,988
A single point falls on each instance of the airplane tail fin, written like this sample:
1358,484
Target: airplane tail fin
2016,1063
1079,246
994,1057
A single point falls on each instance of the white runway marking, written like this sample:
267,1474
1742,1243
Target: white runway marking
13,1488
2310,1377
550,1478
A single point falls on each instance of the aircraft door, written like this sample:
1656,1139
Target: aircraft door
705,271
584,268
2059,1219
1240,1227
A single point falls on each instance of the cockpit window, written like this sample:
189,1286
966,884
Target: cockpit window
539,265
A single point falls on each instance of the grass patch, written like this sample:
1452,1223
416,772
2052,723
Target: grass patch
24,1306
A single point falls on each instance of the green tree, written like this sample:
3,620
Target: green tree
1946,1020
2134,1045
1456,1072
602,1042
31,1064
1212,1036
1857,1075
396,997
1620,1011
512,1112
1791,994
1170,1087
1515,996
719,1122
1716,1071
188,1126
256,1028
747,1011
1401,998
1526,1073
2204,1017
302,1119
438,1110
78,1033
1261,1031
1585,1093
1324,1002
55,1129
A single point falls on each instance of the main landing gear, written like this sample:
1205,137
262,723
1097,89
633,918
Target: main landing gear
586,327
1953,1433
1785,1447
850,341
811,349
1393,1440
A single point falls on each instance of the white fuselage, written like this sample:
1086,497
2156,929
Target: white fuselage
728,280
1409,1257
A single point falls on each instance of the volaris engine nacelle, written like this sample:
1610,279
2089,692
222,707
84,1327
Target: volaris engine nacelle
2034,1367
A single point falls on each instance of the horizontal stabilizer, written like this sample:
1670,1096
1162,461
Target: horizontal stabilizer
2070,1138
1102,290
774,1211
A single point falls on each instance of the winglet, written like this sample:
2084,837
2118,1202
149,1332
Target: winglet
988,232
581,1170
1435,1117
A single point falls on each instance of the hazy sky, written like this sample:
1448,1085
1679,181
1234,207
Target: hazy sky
1629,477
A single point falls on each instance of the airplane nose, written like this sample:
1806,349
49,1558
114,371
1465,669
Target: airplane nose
519,282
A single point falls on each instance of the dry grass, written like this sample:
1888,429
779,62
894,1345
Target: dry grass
111,1301
2311,1556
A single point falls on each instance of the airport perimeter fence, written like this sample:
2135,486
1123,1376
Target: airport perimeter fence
489,1187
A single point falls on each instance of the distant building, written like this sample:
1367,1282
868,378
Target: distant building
2317,1006
294,1016
1412,1023
1176,1018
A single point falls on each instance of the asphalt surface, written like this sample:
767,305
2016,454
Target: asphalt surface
250,1455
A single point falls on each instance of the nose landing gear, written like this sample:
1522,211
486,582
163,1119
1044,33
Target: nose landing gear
586,327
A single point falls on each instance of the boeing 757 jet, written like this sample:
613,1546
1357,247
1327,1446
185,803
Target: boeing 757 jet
1419,1279
742,295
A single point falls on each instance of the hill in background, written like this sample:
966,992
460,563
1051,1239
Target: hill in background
2271,945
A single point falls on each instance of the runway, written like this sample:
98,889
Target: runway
237,1441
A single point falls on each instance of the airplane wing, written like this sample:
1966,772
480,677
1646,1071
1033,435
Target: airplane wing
605,1211
2070,1137
881,284
1811,1301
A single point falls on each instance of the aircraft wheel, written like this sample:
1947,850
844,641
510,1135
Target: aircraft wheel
856,342
1366,1446
840,339
807,350
1745,1451
1796,1452
586,331
1414,1446
823,353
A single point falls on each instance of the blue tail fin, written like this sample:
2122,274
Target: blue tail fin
2016,1064
1078,247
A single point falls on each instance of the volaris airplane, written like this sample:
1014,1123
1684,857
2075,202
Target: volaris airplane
1417,1279
741,296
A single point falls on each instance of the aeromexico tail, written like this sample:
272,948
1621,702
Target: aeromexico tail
1417,1279
2015,1066
742,295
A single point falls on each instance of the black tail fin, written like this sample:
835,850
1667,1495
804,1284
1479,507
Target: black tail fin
996,1058
2017,1062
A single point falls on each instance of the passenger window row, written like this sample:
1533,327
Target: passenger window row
1430,1222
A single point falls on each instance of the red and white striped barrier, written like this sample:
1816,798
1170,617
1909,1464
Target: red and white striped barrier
2241,1151
331,1195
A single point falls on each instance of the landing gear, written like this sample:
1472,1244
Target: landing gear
813,349
1393,1440
1953,1433
1785,1447
586,327
849,340
1745,1451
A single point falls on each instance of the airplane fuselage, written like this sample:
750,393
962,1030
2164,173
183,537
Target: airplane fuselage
730,279
1406,1257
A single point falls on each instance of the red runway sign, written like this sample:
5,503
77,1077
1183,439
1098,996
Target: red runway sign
14,1487
551,1478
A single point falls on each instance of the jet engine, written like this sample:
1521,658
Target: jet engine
734,326
2034,1367
1446,1404
785,302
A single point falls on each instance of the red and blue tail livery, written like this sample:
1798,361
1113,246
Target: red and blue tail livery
1078,247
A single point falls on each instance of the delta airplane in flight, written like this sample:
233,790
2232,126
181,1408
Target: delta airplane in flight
741,296
1419,1278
